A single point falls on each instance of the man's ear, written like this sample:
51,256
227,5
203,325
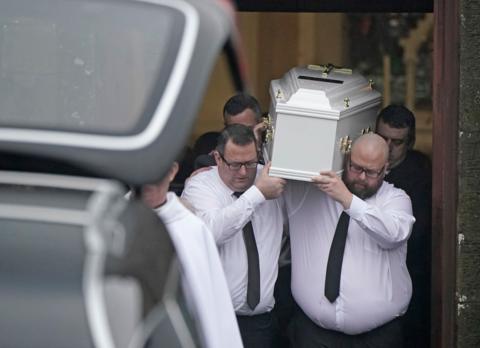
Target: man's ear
217,157
387,168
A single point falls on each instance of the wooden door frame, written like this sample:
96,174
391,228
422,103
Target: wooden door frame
445,176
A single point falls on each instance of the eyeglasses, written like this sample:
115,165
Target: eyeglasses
395,142
368,172
237,165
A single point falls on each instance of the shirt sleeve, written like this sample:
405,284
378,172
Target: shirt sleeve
389,223
224,216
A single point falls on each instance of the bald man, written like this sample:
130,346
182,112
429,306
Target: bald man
350,293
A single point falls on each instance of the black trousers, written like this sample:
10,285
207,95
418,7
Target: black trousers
284,304
304,333
258,331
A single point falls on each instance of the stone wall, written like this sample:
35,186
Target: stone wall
468,252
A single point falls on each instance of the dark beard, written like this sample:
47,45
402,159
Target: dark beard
360,193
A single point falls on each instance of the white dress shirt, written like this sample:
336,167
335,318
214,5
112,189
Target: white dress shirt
203,278
375,286
225,215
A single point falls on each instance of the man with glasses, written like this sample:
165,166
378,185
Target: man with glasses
237,201
243,108
411,171
349,243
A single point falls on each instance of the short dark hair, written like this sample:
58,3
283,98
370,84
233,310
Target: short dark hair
238,103
398,116
205,143
238,134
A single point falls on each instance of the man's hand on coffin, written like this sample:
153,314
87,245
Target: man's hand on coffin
271,187
332,185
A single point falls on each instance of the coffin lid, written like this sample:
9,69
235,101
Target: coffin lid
310,89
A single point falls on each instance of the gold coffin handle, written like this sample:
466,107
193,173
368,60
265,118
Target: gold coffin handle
269,128
345,144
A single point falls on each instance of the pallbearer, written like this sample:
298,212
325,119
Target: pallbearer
349,244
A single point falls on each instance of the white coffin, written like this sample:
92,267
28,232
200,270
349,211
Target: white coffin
315,114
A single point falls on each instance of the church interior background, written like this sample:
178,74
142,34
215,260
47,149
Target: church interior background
392,49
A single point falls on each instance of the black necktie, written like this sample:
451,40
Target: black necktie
335,258
253,287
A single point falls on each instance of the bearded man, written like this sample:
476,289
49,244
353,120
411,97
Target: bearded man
349,242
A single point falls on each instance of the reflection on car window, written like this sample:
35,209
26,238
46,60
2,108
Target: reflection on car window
83,67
